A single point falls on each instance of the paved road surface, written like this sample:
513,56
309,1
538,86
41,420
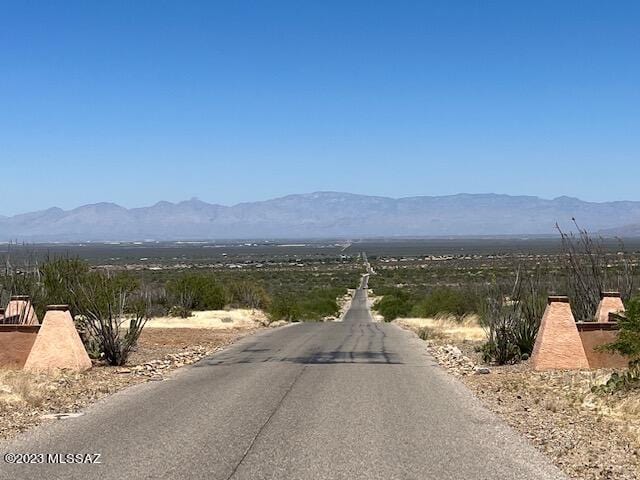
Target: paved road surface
344,400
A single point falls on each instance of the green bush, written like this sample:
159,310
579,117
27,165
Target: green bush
306,306
195,291
445,300
320,303
628,344
284,307
394,303
628,341
398,302
61,279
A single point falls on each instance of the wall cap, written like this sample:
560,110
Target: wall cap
558,298
61,307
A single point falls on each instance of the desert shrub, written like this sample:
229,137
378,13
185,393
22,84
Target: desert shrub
319,303
512,319
500,318
621,380
21,282
61,277
113,312
627,343
456,302
247,294
158,308
393,304
588,272
196,291
305,306
52,282
180,311
284,307
531,303
400,302
524,332
628,340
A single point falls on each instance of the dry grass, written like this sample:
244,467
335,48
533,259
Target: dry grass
446,327
213,319
572,391
590,437
21,388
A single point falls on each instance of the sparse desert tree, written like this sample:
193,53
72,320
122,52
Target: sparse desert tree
511,316
589,274
61,277
114,312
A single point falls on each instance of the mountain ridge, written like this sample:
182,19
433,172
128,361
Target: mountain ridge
323,214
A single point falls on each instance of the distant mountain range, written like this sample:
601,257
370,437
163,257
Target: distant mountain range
324,214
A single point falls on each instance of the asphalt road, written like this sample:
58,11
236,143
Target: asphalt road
343,400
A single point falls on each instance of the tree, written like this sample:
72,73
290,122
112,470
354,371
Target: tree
589,273
60,278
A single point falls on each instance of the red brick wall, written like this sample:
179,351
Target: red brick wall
15,344
594,334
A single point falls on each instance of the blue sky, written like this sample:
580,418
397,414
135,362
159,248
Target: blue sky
135,102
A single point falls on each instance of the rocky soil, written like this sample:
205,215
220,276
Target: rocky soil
589,436
27,400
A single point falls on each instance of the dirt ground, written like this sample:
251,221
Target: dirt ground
589,436
25,398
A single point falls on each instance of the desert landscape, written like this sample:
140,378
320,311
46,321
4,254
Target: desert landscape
320,240
433,289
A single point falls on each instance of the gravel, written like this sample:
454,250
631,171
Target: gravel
588,436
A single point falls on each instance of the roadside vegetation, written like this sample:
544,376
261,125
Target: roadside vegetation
111,306
507,295
403,302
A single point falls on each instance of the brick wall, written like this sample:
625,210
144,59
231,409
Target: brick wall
595,334
16,342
